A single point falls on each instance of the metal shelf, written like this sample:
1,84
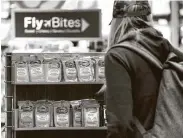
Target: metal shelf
59,83
56,128
14,91
16,128
3,117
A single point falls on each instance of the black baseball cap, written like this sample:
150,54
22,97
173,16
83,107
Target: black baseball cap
120,8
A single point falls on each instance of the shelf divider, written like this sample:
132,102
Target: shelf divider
54,128
59,83
57,128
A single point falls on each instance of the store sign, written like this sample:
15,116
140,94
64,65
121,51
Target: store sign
67,24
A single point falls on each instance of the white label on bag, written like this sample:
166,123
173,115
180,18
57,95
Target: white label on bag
22,74
92,118
43,117
63,120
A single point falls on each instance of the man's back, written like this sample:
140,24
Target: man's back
144,81
132,82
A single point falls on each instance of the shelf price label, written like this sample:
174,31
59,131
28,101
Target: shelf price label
67,24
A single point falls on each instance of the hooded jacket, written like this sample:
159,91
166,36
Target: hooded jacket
132,83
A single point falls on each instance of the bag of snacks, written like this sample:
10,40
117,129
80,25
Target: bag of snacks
104,112
85,69
94,68
21,67
62,114
26,114
100,69
76,113
44,113
70,71
90,111
53,68
36,69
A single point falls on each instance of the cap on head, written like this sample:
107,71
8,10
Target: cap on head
123,8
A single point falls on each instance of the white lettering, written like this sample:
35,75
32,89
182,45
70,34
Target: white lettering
65,22
55,22
29,31
39,24
34,22
71,23
27,21
61,22
77,23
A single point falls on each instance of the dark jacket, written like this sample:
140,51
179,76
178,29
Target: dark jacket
132,83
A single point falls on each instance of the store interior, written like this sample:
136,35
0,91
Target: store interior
167,18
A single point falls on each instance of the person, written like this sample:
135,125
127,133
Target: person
132,82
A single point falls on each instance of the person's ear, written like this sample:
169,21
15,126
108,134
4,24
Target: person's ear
150,19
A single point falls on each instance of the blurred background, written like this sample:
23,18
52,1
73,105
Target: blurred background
167,15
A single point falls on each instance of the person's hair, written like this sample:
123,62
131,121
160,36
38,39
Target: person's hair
122,26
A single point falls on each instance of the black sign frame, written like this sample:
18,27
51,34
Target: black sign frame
24,11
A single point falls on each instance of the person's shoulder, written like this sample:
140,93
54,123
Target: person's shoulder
119,52
126,56
122,56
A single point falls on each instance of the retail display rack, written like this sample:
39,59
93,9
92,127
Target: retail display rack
52,91
181,23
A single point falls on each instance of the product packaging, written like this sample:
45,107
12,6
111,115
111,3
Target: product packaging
100,69
44,113
21,68
85,69
36,69
104,112
70,71
26,114
76,113
93,59
52,68
62,114
90,112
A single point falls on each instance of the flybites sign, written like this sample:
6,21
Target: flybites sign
82,24
78,25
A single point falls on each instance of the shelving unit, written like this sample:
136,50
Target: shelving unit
50,91
180,23
61,83
53,128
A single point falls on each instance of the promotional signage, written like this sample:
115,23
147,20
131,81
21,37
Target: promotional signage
67,24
